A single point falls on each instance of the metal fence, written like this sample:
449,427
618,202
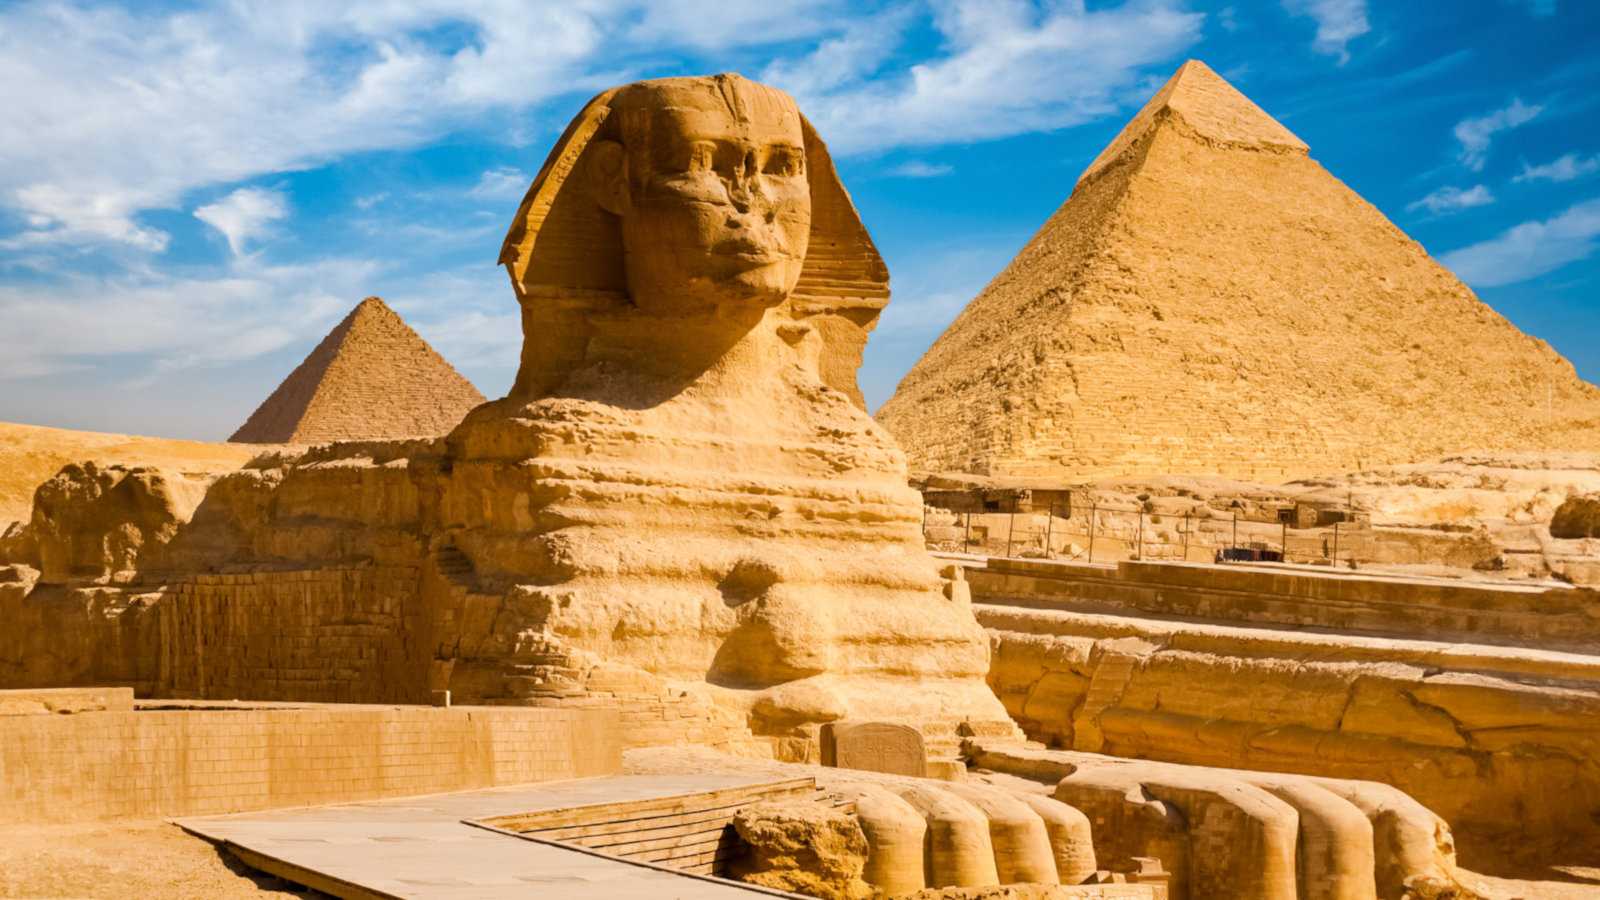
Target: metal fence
1091,531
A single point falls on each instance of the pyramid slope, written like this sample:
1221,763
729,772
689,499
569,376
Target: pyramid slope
1206,306
371,377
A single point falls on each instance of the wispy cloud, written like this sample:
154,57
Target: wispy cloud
1338,23
149,321
1475,134
1565,168
1451,199
917,168
1530,249
128,109
244,215
501,183
1008,68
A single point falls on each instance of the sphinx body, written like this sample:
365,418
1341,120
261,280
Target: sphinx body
691,495
682,495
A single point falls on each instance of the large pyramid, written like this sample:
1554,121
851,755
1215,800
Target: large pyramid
1210,300
371,377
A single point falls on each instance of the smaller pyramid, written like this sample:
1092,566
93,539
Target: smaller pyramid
372,377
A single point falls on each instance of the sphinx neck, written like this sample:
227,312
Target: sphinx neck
711,354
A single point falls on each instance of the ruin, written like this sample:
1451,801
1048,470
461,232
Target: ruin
1211,300
665,612
372,377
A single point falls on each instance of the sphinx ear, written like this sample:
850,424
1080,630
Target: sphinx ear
608,176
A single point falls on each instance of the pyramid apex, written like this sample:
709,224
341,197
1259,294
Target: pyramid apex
1210,106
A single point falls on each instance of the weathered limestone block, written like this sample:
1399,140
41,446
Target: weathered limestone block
875,747
1071,839
1022,851
1267,834
1504,743
1241,839
895,833
959,851
1334,858
97,524
804,847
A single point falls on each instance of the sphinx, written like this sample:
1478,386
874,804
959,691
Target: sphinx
684,459
682,494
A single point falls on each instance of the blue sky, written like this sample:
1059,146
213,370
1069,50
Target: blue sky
192,194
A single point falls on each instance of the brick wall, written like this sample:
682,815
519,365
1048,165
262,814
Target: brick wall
350,635
156,762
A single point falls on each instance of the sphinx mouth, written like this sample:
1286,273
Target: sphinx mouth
746,249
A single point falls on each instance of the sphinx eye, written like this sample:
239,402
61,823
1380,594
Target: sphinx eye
785,161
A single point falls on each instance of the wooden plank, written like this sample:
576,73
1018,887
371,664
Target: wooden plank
591,835
616,825
668,842
583,832
656,807
688,857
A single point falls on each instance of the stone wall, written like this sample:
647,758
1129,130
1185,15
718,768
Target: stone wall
175,760
1504,743
337,635
348,634
1534,616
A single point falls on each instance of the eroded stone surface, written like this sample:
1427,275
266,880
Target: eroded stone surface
1172,317
804,847
875,747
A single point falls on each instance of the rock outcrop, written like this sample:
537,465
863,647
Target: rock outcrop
372,377
1577,517
1210,300
802,847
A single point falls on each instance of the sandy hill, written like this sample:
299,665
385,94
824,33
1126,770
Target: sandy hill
1211,300
371,377
29,454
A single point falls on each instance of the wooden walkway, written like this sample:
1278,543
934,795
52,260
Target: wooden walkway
428,846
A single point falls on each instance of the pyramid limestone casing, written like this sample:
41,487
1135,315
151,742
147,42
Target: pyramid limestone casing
371,377
1210,299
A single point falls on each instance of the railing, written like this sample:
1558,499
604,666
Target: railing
1092,531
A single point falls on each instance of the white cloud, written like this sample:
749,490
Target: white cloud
917,168
244,215
1338,23
1450,199
111,112
1530,249
1566,168
1008,68
501,183
147,320
1475,134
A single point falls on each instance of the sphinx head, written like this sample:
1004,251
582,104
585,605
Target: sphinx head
707,178
688,198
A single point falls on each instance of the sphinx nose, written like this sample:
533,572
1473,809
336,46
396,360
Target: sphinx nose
743,185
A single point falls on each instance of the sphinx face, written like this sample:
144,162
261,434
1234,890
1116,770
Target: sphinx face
718,208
